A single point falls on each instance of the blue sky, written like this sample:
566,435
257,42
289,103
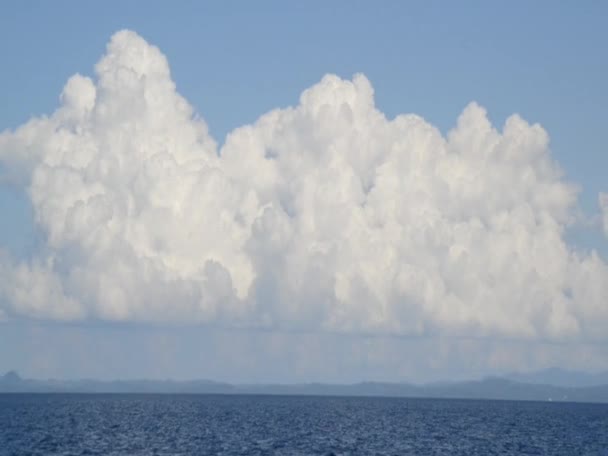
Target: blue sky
233,61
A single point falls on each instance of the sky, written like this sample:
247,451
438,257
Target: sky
324,191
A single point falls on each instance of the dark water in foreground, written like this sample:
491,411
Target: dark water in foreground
266,425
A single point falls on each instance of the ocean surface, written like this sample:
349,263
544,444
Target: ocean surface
41,424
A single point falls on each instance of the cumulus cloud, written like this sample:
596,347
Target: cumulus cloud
323,216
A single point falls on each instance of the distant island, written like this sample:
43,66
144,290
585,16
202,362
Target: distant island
568,387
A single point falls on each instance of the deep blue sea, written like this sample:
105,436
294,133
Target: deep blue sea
32,424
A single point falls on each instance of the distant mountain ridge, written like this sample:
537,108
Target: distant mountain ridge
13,383
561,377
488,388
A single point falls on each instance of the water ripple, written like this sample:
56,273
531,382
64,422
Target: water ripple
280,425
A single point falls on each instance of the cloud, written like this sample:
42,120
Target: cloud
324,216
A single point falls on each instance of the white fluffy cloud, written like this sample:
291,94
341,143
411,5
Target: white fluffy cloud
324,216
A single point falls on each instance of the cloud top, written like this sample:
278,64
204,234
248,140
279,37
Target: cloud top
323,216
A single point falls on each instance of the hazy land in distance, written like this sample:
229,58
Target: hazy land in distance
547,385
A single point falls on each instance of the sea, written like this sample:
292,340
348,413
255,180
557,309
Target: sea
132,424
